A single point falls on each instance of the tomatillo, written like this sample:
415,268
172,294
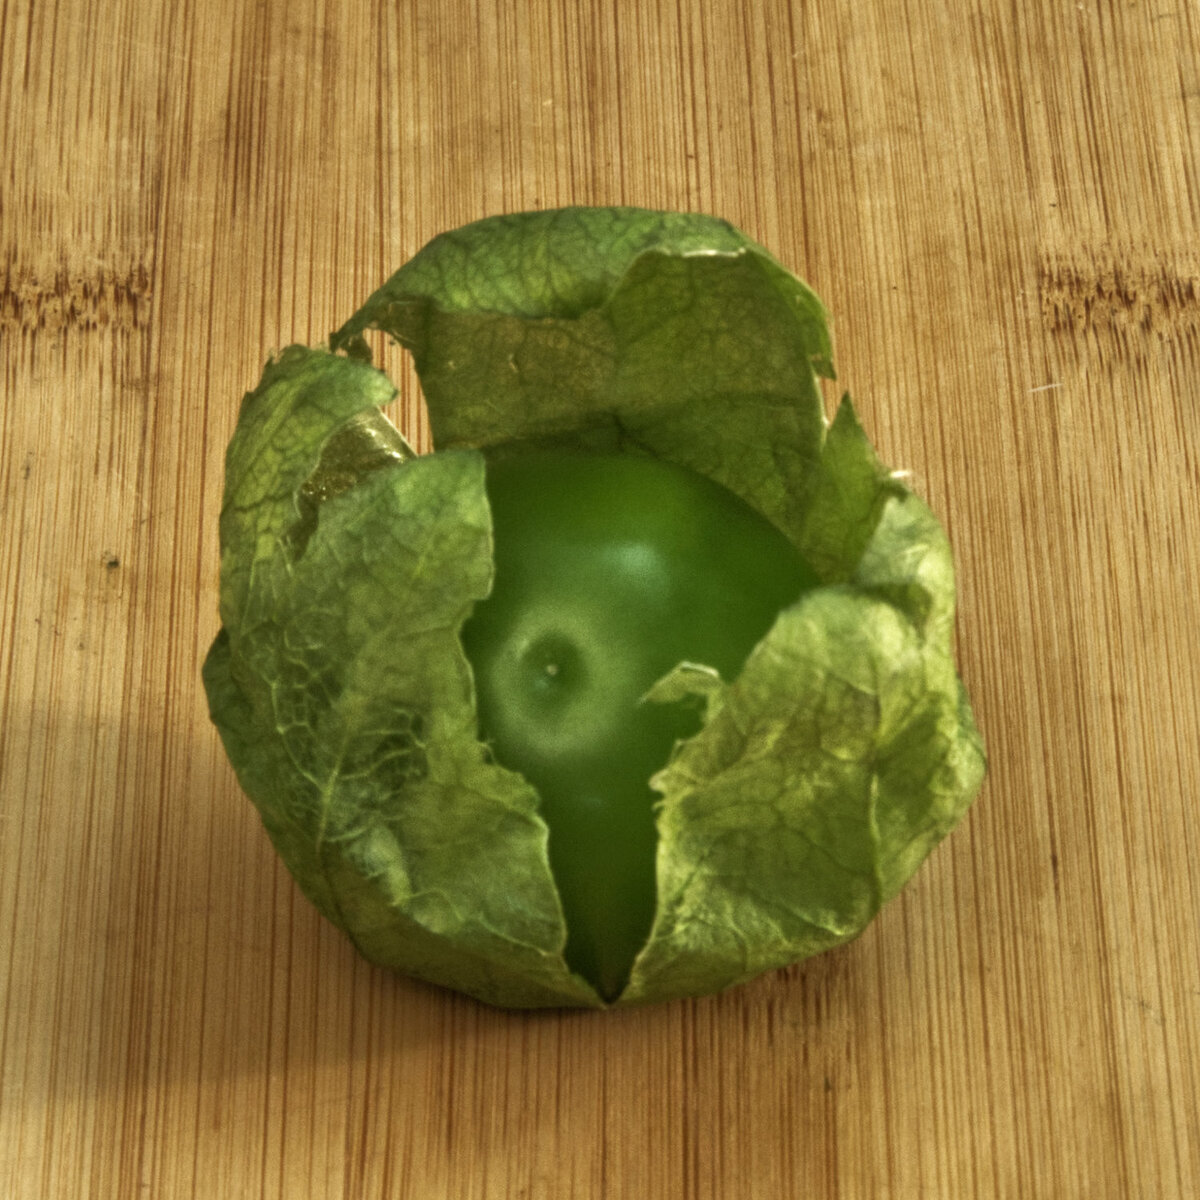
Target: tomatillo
610,570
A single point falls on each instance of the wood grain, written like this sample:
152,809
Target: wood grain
1000,204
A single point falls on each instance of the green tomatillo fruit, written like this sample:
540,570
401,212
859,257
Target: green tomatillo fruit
610,571
642,682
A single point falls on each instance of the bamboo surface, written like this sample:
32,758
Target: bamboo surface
1000,204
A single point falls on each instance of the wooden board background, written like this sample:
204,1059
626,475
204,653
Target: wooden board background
1000,203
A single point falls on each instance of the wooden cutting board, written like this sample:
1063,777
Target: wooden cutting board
1000,204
